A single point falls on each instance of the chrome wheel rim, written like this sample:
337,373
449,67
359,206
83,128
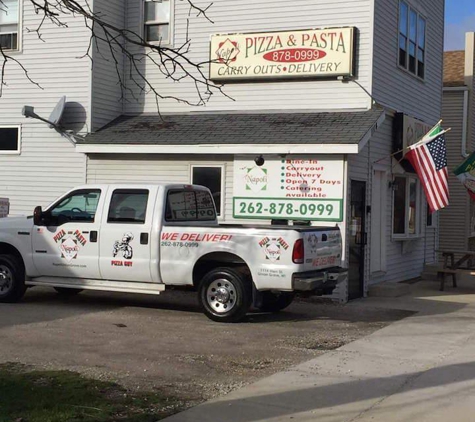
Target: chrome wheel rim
221,296
6,280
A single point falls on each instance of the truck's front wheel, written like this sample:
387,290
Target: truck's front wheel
12,279
225,295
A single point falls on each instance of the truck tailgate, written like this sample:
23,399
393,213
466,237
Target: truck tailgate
322,248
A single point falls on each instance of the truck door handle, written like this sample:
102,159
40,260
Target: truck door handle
93,236
144,238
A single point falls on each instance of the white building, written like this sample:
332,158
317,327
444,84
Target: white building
345,110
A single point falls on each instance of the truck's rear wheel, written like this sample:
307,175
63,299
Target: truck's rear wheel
275,302
225,295
67,292
12,279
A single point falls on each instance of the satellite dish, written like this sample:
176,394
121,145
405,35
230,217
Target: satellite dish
57,113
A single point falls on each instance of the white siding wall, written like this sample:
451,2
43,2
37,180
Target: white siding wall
400,264
103,168
48,163
454,220
256,16
395,87
106,90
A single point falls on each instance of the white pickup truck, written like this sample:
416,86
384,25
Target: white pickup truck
143,238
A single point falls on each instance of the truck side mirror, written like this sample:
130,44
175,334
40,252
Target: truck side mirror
38,216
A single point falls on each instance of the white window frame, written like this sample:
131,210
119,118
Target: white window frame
406,235
223,187
419,15
18,150
169,42
19,30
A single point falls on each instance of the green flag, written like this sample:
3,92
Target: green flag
466,174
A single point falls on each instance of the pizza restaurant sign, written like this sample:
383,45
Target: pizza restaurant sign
283,55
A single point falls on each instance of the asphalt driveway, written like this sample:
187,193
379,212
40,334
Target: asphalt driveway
165,343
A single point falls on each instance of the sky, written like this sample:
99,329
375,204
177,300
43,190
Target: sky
459,19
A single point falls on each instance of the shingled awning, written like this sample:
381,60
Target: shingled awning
337,132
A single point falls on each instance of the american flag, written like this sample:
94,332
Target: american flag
429,159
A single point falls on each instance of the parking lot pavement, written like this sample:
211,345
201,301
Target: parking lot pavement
419,369
165,342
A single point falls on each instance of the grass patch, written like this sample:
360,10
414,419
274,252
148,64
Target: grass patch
64,396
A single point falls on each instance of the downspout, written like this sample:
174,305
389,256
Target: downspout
465,123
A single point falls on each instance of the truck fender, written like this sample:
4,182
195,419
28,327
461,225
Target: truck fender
219,258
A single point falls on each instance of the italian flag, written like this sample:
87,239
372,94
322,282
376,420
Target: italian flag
466,174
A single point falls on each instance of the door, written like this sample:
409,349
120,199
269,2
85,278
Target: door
67,244
357,239
125,250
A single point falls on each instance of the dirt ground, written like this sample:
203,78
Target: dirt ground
166,344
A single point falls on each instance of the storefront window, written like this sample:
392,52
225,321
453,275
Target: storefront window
210,177
399,208
406,214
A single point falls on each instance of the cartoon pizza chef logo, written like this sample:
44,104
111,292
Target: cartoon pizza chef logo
312,241
227,51
124,246
273,248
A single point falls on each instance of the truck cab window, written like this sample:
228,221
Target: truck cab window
190,206
128,206
79,206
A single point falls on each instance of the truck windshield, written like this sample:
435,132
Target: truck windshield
190,205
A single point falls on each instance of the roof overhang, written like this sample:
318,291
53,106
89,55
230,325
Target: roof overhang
348,135
219,149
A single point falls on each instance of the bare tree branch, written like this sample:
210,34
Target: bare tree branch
121,46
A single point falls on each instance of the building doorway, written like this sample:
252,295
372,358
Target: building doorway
358,240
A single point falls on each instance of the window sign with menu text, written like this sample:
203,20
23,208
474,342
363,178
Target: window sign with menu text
292,188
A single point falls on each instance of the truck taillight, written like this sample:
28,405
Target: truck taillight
298,253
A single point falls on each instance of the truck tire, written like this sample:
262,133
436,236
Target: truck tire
67,292
225,295
12,279
275,302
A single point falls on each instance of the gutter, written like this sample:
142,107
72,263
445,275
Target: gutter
465,124
465,117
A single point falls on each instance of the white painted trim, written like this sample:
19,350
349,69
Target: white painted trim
371,132
222,166
219,149
18,150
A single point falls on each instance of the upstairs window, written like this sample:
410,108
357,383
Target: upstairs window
412,40
157,21
9,23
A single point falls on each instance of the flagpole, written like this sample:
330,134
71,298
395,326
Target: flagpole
419,143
